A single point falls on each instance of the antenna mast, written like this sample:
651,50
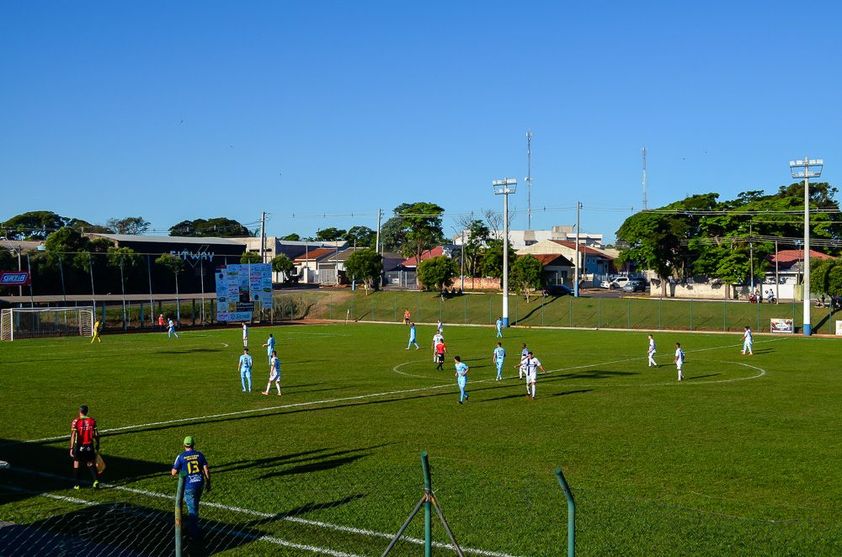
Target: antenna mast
529,179
645,181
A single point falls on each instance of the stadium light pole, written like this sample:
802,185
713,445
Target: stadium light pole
806,168
504,187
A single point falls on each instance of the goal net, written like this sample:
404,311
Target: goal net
18,323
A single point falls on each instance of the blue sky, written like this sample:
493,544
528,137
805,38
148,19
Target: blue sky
185,110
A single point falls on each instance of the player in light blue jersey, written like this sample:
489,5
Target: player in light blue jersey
244,367
461,378
274,373
497,357
413,338
269,345
499,326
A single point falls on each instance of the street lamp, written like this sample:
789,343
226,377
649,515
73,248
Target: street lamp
806,169
504,187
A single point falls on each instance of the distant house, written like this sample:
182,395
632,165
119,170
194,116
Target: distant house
594,261
451,251
307,264
557,268
788,267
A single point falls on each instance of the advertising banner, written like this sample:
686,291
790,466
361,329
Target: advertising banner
16,278
781,326
242,289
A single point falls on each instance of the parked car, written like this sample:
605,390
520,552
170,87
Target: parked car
634,286
557,290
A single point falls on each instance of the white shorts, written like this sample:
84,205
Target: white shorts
275,375
532,376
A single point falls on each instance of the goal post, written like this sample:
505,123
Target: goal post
20,323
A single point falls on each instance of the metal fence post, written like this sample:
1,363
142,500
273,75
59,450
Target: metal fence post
179,496
691,314
428,517
571,513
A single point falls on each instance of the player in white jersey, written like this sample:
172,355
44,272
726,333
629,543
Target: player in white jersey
651,352
679,361
439,327
245,335
748,341
532,366
274,373
497,357
521,365
171,329
437,338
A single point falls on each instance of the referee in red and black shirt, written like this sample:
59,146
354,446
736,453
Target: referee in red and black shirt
84,444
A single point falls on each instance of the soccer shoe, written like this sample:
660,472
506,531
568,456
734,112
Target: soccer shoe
76,487
96,484
264,393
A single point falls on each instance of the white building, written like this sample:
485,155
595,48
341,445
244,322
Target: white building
523,238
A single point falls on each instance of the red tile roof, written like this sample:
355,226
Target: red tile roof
582,248
314,254
425,255
555,259
789,256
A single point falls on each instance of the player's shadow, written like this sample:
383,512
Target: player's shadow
697,377
764,350
191,351
592,374
41,468
573,392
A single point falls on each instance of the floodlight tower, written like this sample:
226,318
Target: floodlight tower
806,169
504,187
529,180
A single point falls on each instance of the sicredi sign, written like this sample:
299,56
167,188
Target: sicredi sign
14,279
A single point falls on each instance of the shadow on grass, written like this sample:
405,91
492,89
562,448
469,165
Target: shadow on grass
533,310
594,374
697,377
190,351
574,392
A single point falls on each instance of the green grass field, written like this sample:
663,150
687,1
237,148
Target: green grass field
740,459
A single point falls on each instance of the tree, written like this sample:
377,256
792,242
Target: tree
128,225
365,265
820,275
360,236
32,225
84,226
219,226
392,235
250,257
330,234
436,273
834,281
475,243
175,265
492,259
526,274
420,225
122,258
284,265
291,237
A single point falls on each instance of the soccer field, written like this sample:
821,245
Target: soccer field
739,459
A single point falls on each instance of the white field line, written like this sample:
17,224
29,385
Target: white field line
270,539
341,399
259,514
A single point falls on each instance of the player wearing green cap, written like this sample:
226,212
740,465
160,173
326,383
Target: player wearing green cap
194,467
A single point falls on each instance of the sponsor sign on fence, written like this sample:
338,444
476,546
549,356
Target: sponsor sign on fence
14,278
839,327
238,287
781,326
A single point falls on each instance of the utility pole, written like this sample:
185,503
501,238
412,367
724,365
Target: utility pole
462,256
529,180
262,236
751,256
377,238
645,181
576,267
377,246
